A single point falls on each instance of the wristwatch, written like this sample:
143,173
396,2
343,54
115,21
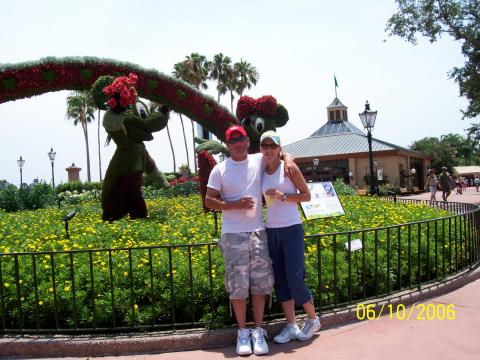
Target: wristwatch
284,197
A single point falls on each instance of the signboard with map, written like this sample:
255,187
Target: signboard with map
324,201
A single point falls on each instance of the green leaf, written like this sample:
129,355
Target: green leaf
48,76
152,84
207,108
181,94
10,83
86,73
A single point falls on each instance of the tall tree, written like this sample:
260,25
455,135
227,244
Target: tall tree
459,19
245,76
179,71
462,147
153,106
193,70
220,69
80,109
98,145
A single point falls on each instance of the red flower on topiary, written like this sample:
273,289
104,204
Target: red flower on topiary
122,91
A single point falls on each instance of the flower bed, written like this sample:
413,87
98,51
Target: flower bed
152,277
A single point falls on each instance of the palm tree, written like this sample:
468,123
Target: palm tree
155,107
246,75
220,68
230,84
179,71
80,109
193,70
98,144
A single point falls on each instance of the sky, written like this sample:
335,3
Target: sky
296,46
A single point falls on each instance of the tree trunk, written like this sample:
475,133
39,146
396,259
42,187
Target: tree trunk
231,101
85,133
185,140
194,153
99,152
171,147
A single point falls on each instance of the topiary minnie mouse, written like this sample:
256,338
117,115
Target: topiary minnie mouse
128,122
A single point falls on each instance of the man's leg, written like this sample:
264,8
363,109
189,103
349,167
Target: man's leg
258,304
240,310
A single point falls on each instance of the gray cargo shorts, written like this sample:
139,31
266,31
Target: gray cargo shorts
248,268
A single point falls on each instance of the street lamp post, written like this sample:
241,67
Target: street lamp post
315,165
51,156
20,163
368,121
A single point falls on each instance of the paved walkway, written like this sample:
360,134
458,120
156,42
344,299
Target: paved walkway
380,339
423,336
468,196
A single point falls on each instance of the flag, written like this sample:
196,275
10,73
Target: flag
335,79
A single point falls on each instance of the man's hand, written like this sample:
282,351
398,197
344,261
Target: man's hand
291,169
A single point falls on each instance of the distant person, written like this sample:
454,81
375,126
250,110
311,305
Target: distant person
459,185
432,183
476,182
445,184
286,240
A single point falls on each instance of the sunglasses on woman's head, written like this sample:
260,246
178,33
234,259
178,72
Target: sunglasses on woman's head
236,140
269,146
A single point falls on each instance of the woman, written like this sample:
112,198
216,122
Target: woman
432,185
285,240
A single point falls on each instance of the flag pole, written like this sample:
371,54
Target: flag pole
336,85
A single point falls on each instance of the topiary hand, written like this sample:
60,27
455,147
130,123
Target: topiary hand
211,146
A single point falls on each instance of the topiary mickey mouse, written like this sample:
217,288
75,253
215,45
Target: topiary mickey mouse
129,123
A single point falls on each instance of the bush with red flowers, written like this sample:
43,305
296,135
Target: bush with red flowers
206,162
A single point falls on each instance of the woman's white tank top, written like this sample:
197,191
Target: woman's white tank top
280,213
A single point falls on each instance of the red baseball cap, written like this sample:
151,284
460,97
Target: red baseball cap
232,129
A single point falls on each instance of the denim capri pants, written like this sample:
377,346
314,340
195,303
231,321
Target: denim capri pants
286,248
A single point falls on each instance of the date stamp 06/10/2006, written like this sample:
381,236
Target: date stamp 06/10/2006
402,312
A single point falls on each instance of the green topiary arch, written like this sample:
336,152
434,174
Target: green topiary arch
22,80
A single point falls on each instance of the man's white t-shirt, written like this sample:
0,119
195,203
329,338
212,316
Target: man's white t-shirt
237,179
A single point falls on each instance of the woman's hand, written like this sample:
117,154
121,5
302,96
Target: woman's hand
274,193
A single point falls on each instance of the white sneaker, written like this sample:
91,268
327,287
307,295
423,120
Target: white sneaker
244,345
289,332
309,327
260,346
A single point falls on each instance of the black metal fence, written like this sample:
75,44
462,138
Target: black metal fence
181,286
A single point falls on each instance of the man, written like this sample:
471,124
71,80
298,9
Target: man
234,187
445,183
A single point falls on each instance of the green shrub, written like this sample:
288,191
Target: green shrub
29,197
9,198
180,189
75,197
384,189
343,189
78,186
37,196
